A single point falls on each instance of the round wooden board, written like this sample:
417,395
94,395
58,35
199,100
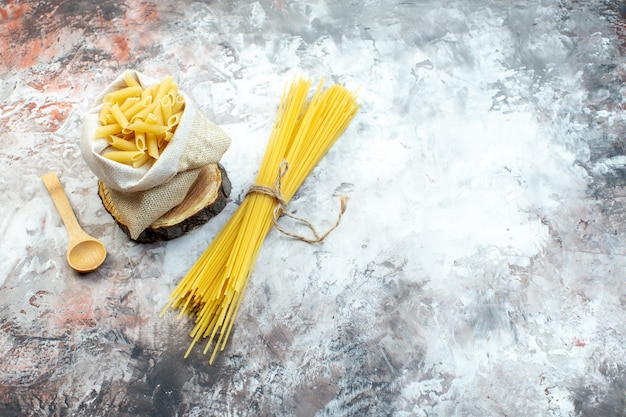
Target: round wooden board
206,198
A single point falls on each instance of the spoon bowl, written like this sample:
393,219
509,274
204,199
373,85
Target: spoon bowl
84,252
86,256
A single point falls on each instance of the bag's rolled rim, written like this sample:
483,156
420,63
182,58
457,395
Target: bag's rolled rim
145,177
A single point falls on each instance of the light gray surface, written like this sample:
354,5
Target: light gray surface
478,270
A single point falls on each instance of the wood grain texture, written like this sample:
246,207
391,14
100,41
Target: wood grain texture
206,198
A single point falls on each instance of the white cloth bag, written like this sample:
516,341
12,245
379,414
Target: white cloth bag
144,194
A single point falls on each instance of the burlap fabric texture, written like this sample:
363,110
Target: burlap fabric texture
144,194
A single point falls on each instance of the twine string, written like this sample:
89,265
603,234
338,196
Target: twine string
281,208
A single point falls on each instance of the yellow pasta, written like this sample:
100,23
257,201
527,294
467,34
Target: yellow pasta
152,118
304,130
139,119
104,112
124,157
140,141
118,115
167,102
102,132
174,119
163,88
130,80
161,144
173,91
128,103
141,161
143,113
179,103
141,126
123,94
140,105
152,145
121,143
158,115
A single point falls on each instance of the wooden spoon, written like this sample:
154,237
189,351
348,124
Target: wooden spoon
85,253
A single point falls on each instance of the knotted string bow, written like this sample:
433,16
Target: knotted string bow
281,208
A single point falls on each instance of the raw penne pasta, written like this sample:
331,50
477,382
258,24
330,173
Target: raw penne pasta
146,93
123,157
162,143
130,80
152,119
166,113
121,143
143,113
104,112
107,130
163,88
158,114
121,95
179,103
140,141
137,107
152,145
118,115
129,102
138,122
141,161
141,126
174,119
167,102
173,91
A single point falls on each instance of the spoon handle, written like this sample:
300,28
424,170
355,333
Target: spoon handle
62,203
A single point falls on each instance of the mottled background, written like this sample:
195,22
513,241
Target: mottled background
478,271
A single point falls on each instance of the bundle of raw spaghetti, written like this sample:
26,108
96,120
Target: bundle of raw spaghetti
303,132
